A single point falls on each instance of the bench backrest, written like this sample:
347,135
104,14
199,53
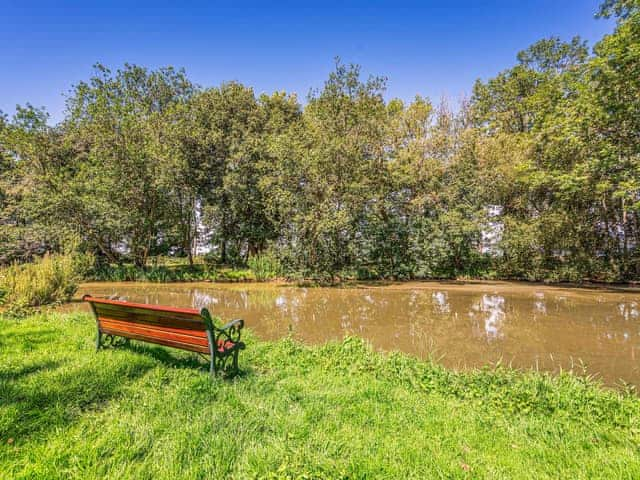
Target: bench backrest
183,328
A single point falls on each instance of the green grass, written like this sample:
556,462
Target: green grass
334,411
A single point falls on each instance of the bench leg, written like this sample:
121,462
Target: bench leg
212,349
98,340
219,363
235,360
212,366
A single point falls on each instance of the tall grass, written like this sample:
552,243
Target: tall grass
174,273
50,279
265,266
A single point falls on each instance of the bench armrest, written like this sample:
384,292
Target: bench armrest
229,332
237,323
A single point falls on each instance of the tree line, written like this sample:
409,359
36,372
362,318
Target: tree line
536,175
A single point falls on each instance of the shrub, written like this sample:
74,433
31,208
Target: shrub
235,275
49,280
265,266
175,273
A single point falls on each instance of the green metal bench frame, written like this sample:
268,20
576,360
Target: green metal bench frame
223,343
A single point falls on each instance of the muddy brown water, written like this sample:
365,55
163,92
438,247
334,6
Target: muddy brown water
460,325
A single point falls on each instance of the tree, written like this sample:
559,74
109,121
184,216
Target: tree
32,159
334,156
622,9
116,124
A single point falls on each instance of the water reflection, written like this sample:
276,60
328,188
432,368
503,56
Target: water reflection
491,309
541,327
440,302
203,299
539,305
629,311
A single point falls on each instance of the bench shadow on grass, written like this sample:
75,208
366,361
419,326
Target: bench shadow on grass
61,395
181,359
29,338
47,396
25,371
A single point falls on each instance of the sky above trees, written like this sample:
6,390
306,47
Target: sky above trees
428,48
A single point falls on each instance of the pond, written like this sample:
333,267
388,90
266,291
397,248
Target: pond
461,325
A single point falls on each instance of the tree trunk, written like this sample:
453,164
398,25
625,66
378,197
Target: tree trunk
223,251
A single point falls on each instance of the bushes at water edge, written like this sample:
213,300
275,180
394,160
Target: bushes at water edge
50,279
265,266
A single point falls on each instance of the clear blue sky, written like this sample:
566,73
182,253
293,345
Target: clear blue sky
433,48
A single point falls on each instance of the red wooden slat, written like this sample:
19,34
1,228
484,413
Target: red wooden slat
146,312
180,331
159,341
165,319
146,306
152,332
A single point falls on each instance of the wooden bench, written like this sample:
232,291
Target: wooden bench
182,328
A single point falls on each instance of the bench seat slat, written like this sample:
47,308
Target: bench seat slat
181,331
183,336
126,307
151,318
159,341
144,306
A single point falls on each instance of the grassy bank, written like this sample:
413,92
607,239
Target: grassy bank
336,411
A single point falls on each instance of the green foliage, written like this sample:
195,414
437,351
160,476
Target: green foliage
570,196
164,270
265,266
50,279
340,410
235,275
619,8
